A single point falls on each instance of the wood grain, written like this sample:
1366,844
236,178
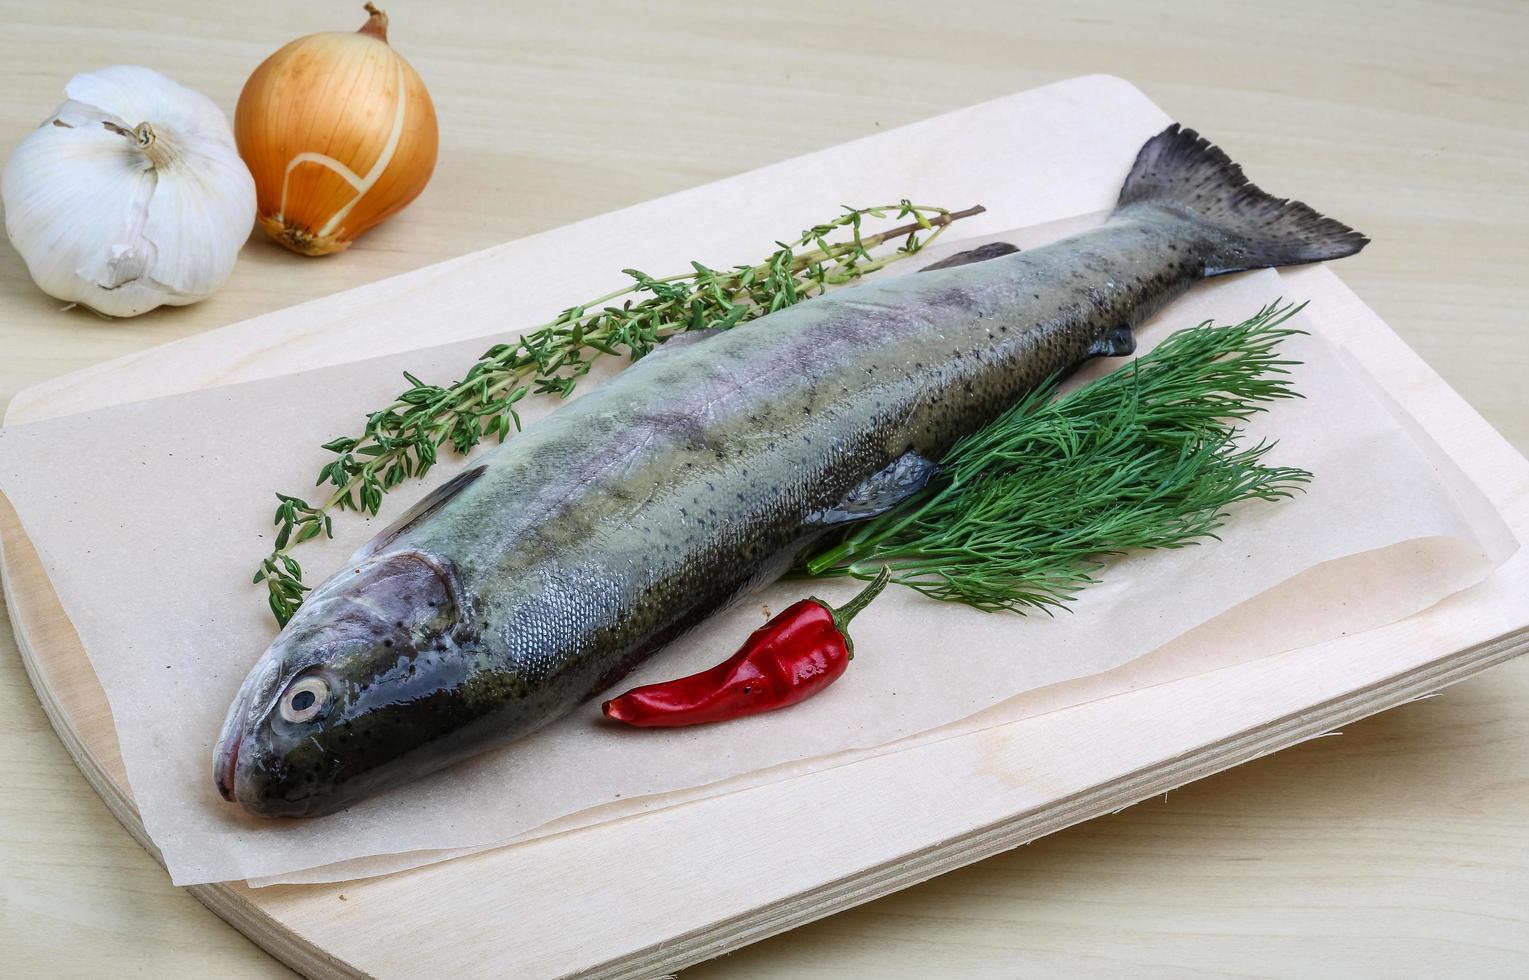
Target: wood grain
1408,112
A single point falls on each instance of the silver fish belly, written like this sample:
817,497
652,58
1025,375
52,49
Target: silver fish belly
567,555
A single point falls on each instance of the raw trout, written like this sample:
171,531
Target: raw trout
551,567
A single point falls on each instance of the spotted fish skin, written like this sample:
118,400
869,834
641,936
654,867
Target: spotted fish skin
567,555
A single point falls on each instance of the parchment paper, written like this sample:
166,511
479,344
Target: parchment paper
144,517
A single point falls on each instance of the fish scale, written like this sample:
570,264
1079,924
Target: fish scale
573,551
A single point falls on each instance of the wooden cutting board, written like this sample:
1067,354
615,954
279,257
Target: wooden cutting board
653,893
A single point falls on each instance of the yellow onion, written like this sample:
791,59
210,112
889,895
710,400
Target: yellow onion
339,133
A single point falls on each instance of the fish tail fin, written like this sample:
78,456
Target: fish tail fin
1180,170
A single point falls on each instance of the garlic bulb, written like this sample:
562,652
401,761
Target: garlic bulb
130,195
340,134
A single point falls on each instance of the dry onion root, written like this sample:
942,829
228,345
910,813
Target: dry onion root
339,133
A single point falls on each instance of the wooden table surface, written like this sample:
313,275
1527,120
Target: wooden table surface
1392,850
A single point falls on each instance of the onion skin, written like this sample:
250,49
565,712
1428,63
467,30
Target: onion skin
319,125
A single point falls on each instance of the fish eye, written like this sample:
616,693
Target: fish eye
304,699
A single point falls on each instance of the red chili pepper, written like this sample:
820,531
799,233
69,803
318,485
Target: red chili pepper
789,659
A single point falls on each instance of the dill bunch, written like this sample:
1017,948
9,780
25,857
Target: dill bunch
1024,513
402,441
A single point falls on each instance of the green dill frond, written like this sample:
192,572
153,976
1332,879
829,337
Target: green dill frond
1025,512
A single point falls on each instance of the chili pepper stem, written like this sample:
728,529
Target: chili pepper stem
843,614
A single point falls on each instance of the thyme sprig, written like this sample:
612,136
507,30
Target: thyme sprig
1025,511
403,440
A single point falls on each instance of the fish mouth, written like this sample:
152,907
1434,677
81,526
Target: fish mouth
225,758
225,765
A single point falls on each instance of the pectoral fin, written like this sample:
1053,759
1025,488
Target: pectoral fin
428,504
682,340
902,478
992,250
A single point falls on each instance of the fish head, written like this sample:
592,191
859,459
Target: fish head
360,679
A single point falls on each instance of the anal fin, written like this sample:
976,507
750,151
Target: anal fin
900,479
